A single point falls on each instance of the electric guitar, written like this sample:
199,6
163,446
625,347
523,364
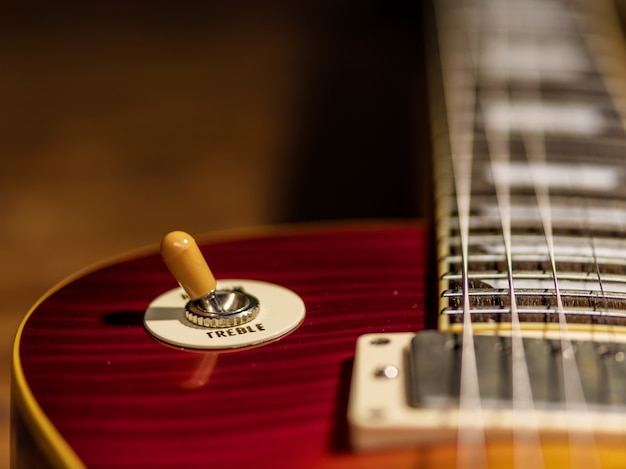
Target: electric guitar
321,346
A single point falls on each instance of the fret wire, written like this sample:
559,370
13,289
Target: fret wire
536,259
573,294
538,275
481,263
565,229
532,240
544,311
602,154
488,298
525,201
539,315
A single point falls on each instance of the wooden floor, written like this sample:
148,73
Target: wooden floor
119,124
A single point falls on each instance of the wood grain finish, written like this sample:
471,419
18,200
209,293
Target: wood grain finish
121,399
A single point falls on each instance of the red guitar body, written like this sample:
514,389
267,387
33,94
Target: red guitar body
92,386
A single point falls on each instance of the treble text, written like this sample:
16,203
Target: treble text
234,331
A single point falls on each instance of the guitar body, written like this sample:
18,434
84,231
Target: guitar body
527,368
92,387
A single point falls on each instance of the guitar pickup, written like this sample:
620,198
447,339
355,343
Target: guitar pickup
436,382
406,387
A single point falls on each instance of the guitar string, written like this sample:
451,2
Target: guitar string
462,165
575,403
608,21
604,309
586,218
527,451
459,95
578,20
605,18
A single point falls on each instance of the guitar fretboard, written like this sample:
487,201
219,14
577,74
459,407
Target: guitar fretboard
530,155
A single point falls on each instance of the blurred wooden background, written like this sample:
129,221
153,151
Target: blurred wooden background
121,122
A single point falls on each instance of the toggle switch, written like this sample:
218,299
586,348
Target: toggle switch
207,305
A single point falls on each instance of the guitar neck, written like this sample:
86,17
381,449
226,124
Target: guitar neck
529,148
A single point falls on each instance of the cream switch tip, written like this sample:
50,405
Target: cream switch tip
183,258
